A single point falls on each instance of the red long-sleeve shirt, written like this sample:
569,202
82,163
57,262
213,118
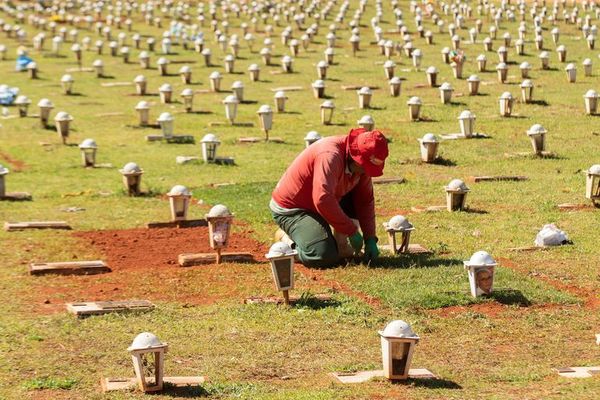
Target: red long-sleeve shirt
317,180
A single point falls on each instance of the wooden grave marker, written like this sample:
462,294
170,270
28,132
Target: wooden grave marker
69,268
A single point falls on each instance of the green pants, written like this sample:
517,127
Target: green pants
312,235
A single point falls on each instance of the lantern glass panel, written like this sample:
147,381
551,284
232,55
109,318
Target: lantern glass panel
283,269
400,352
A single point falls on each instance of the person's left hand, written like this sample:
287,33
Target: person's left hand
371,249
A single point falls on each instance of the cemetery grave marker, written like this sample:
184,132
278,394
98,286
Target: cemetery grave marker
69,268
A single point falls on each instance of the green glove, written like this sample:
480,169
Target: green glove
356,241
371,250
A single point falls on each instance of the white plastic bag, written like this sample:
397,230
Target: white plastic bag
550,235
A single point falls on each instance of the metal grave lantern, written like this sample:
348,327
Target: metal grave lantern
231,103
179,201
446,93
311,137
215,81
3,172
537,135
520,46
165,120
187,95
398,343
429,144
207,54
417,56
63,123
144,58
502,54
473,82
229,64
265,118
395,86
148,357
162,66
143,109
571,71
527,91
591,102
466,121
432,74
502,70
329,54
414,108
210,143
265,53
456,195
561,51
132,178
367,122
525,67
364,97
166,93
45,106
22,102
587,67
280,99
88,152
287,64
481,62
398,225
327,108
318,89
506,102
237,87
481,268
322,69
219,224
99,68
281,256
544,60
254,71
185,72
388,67
140,85
67,83
592,184
487,44
555,35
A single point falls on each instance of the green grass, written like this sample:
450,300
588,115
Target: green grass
268,352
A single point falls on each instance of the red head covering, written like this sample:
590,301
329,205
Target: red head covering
369,149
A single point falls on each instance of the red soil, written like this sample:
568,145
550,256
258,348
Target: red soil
16,165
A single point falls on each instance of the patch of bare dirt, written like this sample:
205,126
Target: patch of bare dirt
16,165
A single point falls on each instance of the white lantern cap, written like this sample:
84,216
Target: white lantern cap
536,129
139,79
264,51
98,63
365,90
253,67
354,39
280,249
389,64
185,69
327,104
329,51
219,211
466,114
319,83
179,190
76,47
432,70
131,168
446,86
473,78
3,170
210,138
506,95
237,85
398,223
165,117
501,49
519,42
414,101
544,54
570,67
63,116
144,54
280,94
481,57
21,100
525,65
229,57
561,48
231,99
162,61
187,92
429,138
417,53
480,259
67,78
286,59
206,52
591,94
487,40
395,80
144,341
527,83
142,105
587,61
312,135
366,119
323,64
165,87
457,185
215,75
88,144
501,65
594,169
555,30
398,329
264,109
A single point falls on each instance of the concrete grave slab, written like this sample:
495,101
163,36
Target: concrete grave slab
112,384
365,376
69,268
19,226
413,248
88,308
578,372
191,259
